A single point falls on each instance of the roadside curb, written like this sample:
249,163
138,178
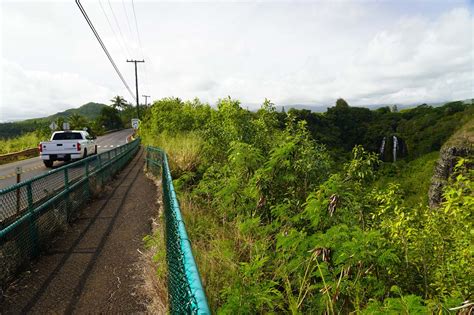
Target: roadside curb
12,157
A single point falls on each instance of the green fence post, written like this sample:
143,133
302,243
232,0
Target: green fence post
87,168
87,178
146,159
33,227
66,188
99,170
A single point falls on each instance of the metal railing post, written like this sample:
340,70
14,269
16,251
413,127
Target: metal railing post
146,158
87,178
33,227
18,200
66,188
87,168
100,172
99,157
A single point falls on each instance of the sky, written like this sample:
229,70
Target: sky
291,52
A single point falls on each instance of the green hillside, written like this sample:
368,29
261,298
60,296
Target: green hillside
320,213
90,110
14,129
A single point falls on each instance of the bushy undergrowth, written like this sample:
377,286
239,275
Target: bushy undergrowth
26,141
277,226
413,177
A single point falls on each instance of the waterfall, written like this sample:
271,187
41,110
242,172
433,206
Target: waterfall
395,147
382,147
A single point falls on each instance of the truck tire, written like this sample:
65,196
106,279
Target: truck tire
85,153
48,163
95,149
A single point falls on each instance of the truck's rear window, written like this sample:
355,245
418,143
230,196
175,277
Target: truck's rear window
67,136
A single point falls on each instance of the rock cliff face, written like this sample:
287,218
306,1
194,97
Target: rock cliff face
460,145
443,170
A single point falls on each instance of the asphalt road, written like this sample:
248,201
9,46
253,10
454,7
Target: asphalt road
34,166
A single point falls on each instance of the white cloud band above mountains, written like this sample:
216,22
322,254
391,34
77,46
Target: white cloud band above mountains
307,52
39,93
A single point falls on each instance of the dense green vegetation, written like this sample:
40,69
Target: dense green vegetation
26,141
89,111
97,118
294,212
424,128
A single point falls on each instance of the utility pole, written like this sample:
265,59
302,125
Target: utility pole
136,84
146,99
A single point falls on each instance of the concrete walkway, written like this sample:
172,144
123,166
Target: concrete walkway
93,267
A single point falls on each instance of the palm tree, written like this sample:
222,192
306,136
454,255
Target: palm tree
118,102
77,121
59,123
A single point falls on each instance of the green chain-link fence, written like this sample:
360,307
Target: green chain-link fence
185,291
34,211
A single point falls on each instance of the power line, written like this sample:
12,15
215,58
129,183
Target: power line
118,26
83,11
119,43
136,26
126,14
140,44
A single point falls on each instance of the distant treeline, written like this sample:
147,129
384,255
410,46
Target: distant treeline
93,117
424,128
8,130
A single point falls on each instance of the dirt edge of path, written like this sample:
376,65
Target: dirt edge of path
152,266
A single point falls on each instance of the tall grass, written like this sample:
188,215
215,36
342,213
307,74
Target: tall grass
183,150
26,141
216,246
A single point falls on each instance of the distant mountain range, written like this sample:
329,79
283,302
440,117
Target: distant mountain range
323,108
90,110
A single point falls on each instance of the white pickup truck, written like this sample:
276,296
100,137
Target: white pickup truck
66,146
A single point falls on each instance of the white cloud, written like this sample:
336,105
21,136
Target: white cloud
290,52
28,93
417,61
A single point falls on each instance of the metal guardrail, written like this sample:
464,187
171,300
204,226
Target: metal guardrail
185,291
33,211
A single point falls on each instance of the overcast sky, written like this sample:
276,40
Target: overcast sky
292,52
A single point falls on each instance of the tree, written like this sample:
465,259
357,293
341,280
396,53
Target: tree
118,102
59,122
351,121
341,103
77,121
109,118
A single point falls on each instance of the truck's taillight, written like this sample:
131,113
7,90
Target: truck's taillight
40,147
78,146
